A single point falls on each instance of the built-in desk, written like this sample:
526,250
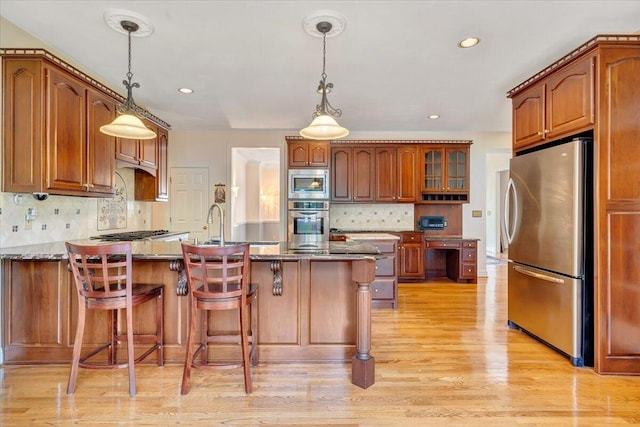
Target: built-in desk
452,257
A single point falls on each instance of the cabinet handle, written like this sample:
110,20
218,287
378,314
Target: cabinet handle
546,131
540,133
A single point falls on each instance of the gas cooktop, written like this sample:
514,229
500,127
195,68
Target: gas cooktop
131,235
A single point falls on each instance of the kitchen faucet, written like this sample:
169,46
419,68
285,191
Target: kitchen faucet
210,220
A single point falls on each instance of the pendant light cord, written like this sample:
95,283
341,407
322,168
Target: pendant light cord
324,55
129,73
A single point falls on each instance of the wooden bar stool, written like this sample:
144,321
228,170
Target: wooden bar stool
218,279
102,275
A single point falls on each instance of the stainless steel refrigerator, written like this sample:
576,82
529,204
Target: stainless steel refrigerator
549,221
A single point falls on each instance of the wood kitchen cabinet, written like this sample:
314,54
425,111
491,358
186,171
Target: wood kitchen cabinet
407,176
395,179
308,154
445,173
352,174
341,180
411,255
52,140
142,153
595,91
373,174
51,128
562,103
385,176
150,187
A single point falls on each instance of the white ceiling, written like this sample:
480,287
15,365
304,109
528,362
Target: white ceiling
252,66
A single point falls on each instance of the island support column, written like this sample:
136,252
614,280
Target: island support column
363,364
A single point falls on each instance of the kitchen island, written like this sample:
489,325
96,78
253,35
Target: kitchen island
312,306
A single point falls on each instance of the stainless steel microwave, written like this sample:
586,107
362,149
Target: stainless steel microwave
308,183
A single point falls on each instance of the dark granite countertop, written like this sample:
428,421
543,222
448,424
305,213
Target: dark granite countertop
172,250
426,234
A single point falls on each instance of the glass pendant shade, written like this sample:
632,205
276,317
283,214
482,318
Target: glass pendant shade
324,127
128,126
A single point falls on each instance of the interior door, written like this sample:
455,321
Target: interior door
190,201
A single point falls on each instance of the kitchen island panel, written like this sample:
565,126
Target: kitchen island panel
279,312
332,304
38,324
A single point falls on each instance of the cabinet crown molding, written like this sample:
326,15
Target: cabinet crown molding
579,51
401,141
43,53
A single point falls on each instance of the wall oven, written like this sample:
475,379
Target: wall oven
308,183
308,224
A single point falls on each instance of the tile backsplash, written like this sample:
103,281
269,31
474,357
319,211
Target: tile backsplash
61,218
382,217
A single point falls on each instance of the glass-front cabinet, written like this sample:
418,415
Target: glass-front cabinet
445,173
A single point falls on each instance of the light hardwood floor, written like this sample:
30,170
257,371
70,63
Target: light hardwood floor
445,357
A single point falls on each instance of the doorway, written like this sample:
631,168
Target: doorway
497,171
255,194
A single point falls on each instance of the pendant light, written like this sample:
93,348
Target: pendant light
324,125
128,123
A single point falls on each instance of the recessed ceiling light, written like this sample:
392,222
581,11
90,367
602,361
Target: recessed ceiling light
469,42
434,116
185,90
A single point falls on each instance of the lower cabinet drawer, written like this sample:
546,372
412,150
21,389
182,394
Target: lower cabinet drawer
443,244
386,266
468,270
382,289
383,246
468,255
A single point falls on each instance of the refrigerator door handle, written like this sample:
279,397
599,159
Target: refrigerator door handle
511,188
540,276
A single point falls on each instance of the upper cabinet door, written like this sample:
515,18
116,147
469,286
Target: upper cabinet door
162,178
558,106
457,167
570,99
22,126
100,159
385,179
528,117
363,174
304,154
318,154
433,169
148,152
341,174
407,180
66,139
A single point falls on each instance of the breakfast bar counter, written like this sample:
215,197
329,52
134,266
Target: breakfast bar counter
313,306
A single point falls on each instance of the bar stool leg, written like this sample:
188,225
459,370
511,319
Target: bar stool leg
188,358
160,327
246,362
130,353
77,347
